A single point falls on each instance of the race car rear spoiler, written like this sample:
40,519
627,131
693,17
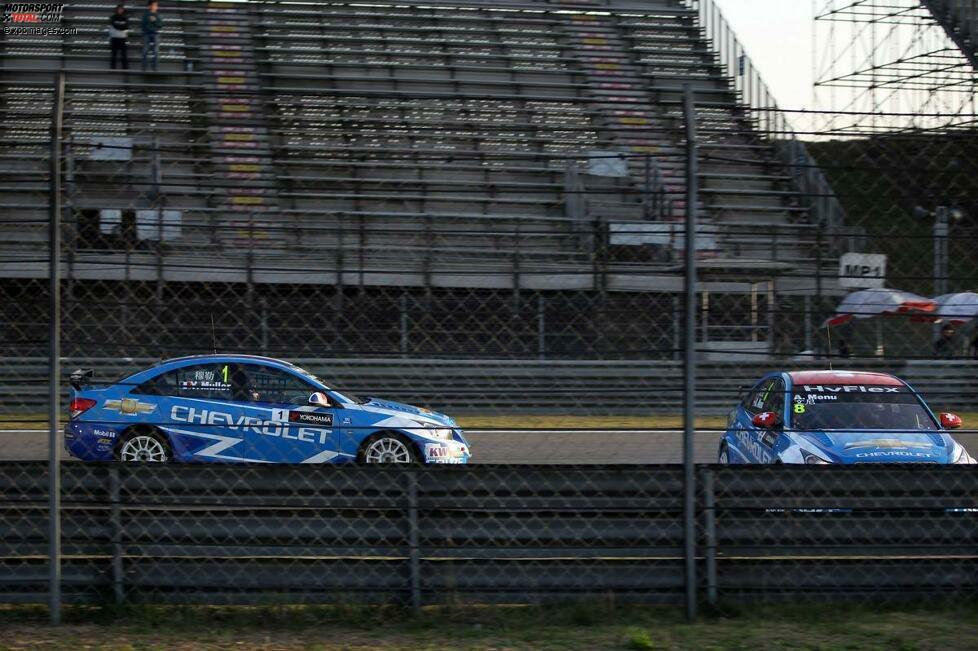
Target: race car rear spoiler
81,377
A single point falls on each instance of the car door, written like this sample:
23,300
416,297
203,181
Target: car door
196,411
281,425
742,425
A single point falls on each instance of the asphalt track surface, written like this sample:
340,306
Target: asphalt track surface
518,446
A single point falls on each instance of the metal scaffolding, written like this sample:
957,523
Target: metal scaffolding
886,65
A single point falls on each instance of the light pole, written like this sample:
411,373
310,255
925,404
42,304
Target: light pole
943,216
942,229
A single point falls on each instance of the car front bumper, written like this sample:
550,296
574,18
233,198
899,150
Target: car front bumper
446,452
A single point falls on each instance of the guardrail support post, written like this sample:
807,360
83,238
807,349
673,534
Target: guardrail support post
115,522
414,559
541,327
710,535
404,323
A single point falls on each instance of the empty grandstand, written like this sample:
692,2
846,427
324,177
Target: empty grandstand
335,168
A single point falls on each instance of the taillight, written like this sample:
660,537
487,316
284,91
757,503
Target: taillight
79,406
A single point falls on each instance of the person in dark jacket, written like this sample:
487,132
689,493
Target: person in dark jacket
944,348
844,349
152,24
118,33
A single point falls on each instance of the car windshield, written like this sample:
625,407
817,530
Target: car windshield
344,395
847,407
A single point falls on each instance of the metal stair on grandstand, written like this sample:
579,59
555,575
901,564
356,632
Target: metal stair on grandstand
627,111
247,193
741,180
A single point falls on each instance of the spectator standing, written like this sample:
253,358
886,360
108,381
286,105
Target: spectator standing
843,349
944,348
118,33
152,24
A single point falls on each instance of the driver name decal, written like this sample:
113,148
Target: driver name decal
850,388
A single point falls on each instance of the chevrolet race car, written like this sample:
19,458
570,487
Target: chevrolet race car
243,408
838,417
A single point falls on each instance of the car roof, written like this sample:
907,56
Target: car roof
844,377
217,356
227,357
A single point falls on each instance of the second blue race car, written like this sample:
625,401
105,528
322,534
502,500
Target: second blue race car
242,408
838,417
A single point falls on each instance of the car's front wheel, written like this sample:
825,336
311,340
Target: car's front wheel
143,447
387,448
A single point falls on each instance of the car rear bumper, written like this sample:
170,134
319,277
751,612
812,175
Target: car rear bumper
89,442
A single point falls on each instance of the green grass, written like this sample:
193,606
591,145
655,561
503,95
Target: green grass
596,626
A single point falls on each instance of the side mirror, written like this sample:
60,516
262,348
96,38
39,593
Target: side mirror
950,421
319,399
766,420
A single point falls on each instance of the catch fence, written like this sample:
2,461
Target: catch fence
582,226
490,534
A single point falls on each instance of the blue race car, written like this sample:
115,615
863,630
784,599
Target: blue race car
826,417
243,408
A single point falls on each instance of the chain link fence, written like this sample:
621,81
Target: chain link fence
483,212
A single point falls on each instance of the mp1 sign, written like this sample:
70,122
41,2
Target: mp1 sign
862,271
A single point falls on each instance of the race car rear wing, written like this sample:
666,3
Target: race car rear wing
81,377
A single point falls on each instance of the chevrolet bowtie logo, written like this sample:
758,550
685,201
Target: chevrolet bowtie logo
129,406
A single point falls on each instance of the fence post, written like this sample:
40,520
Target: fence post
115,522
647,194
710,536
414,559
689,398
54,355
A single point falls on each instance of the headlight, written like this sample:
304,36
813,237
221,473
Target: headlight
815,460
427,429
960,455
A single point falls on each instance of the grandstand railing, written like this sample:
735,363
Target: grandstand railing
806,174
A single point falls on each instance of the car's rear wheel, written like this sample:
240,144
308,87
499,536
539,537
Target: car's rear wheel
387,448
723,458
143,446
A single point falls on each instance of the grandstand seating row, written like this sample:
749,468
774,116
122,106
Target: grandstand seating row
281,125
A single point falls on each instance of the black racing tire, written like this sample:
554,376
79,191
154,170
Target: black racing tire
143,445
388,447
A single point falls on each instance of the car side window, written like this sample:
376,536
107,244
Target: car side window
260,383
755,400
774,399
205,381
